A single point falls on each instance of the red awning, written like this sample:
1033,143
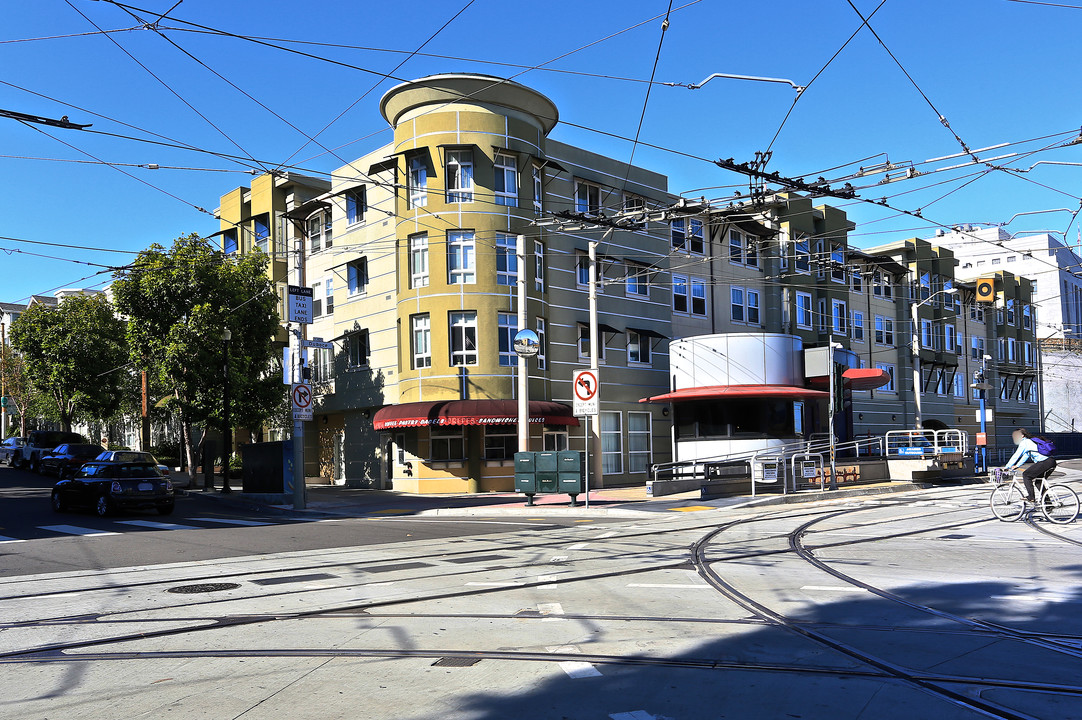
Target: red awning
865,378
720,392
470,412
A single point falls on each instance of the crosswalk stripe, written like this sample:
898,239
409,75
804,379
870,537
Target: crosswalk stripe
230,521
157,525
6,539
76,530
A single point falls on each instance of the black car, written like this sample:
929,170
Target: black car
107,487
64,460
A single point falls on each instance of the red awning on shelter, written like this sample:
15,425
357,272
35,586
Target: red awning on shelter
470,412
865,378
721,392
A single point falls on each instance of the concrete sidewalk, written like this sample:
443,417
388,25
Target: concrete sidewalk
341,501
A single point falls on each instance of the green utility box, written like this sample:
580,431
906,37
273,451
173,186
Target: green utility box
550,472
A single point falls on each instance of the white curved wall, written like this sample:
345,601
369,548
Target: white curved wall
736,359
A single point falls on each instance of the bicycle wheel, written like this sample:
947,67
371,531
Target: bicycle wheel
1007,502
1059,504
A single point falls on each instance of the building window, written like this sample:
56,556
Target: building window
635,204
317,299
587,198
319,231
926,340
421,341
611,447
261,231
418,181
1010,311
582,269
959,385
837,264
1029,358
328,284
542,344
696,244
976,348
554,440
1027,317
698,297
744,305
804,310
461,258
463,327
638,348
459,176
538,188
638,280
889,368
802,255
950,340
858,326
419,260
839,317
506,183
751,251
884,330
678,233
358,348
229,242
679,293
357,276
507,327
584,342
539,266
321,365
506,259
447,443
639,437
976,313
857,282
501,442
736,247
356,205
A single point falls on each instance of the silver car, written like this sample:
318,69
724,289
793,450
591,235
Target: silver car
8,448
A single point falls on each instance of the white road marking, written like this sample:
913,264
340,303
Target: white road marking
577,546
674,586
509,583
602,536
74,530
157,525
558,558
574,669
230,521
5,539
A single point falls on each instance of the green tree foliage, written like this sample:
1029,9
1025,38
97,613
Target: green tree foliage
74,354
178,304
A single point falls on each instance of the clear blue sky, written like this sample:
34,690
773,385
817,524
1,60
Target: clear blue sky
999,71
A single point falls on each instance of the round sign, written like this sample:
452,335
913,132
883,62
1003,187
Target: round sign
526,343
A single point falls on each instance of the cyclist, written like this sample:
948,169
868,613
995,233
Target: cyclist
1029,452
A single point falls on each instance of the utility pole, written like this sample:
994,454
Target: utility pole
523,380
3,380
297,337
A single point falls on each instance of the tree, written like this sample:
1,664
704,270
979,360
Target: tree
17,387
74,353
178,304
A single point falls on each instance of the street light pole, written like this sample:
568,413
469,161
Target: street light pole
227,440
914,348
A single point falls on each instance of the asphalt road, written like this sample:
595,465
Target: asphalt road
913,605
34,539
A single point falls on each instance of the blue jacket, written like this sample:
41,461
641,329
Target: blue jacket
1026,452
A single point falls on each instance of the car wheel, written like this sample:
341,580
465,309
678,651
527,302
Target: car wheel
35,465
166,509
101,507
58,503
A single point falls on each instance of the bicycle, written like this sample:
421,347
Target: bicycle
1057,502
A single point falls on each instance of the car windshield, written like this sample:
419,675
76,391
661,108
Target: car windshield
140,470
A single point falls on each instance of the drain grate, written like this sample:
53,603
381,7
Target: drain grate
204,588
456,662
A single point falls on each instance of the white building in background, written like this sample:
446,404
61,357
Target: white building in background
1055,270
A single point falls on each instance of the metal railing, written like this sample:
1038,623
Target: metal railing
926,442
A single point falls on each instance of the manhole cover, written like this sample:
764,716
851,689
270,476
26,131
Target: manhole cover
456,662
204,588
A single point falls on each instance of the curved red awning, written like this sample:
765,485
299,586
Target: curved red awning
865,378
470,412
720,392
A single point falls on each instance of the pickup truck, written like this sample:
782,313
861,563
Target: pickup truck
39,441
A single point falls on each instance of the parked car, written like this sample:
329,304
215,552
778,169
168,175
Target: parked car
64,460
40,441
132,456
106,487
8,448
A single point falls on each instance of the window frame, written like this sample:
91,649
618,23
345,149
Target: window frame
420,341
357,277
462,331
506,329
505,168
507,256
356,204
459,167
358,348
810,324
461,257
418,255
638,348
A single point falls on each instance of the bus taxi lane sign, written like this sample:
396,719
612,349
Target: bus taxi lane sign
300,304
585,396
